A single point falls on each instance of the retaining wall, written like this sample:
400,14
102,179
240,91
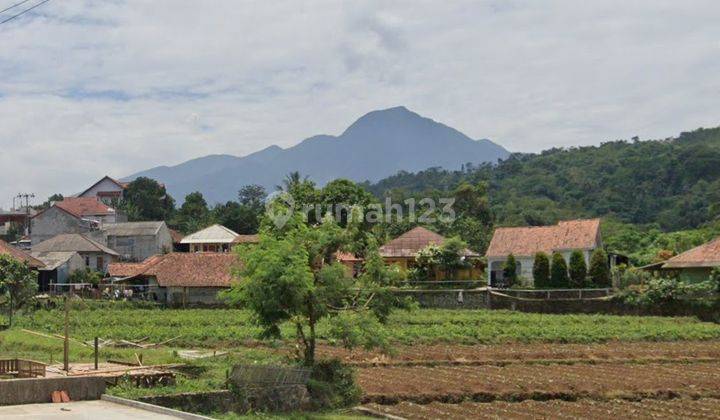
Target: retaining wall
39,390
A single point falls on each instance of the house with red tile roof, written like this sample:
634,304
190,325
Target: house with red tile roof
108,190
402,251
524,242
20,255
695,264
179,278
71,215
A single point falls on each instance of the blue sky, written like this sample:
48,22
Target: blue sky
112,87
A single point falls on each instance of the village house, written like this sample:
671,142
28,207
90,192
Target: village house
179,278
107,190
402,251
71,215
137,241
58,266
96,255
216,238
11,251
524,242
696,264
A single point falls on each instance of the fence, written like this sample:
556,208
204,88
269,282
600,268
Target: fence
251,375
104,291
21,368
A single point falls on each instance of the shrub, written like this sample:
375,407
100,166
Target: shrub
630,276
715,278
332,385
599,271
559,271
664,295
510,271
541,270
578,270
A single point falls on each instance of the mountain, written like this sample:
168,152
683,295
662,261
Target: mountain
377,145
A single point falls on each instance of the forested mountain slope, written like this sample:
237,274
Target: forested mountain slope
673,183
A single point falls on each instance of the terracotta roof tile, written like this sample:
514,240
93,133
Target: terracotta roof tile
18,254
706,255
183,269
527,241
246,239
408,244
85,206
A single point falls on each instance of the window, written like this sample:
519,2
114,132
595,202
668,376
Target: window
100,263
87,261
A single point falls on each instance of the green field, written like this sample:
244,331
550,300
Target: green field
232,330
220,328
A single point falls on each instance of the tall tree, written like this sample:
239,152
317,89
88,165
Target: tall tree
18,283
194,214
292,276
146,200
578,270
541,271
599,271
510,271
558,271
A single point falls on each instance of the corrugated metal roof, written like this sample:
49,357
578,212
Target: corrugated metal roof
215,234
53,259
133,228
72,242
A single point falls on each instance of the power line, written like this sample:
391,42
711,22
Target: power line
23,12
13,6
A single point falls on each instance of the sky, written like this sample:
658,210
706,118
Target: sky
90,88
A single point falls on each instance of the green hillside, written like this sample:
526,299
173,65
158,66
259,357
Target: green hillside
656,186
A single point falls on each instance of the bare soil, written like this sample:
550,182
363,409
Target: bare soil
704,408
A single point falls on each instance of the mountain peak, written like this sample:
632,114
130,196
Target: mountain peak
376,145
398,117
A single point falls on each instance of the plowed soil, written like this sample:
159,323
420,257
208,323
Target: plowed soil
459,354
517,382
704,408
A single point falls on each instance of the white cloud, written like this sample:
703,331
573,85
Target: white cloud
112,87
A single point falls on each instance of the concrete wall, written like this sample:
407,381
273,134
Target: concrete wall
92,260
39,390
53,222
105,186
140,247
694,274
177,296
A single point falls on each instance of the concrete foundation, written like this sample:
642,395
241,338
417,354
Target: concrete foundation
39,390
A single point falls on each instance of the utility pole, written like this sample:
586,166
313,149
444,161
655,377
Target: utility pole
66,343
27,197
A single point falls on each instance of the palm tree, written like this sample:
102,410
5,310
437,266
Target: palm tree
291,180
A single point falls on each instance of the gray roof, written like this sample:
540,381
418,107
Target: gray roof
53,259
72,242
133,228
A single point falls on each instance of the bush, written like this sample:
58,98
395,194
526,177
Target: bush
664,294
510,271
559,272
599,271
541,271
578,270
630,276
332,385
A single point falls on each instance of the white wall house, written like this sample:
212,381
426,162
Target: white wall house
525,242
107,190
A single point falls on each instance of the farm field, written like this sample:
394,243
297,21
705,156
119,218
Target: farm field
520,382
459,354
704,408
445,359
214,328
